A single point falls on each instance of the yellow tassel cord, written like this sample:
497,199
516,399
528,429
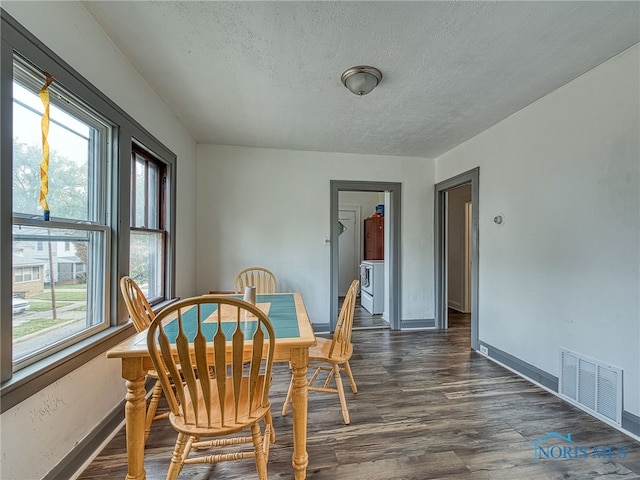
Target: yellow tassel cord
44,165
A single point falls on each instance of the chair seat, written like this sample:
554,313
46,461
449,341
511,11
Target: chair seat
320,352
248,412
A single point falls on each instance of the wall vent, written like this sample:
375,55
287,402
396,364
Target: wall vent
592,384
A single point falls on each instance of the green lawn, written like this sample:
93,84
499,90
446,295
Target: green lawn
63,296
35,325
77,286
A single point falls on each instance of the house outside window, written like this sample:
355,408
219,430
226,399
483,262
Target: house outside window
26,274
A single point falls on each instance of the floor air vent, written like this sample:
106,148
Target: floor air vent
592,384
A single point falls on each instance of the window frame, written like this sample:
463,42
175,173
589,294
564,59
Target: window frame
160,202
19,385
90,221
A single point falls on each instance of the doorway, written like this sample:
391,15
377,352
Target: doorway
392,250
442,191
348,246
458,247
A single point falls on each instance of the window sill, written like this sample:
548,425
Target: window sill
156,307
39,375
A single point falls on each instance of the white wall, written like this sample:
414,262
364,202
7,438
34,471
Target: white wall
367,200
39,432
271,208
563,270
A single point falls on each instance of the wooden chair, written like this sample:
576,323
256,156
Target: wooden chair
265,282
259,277
333,355
234,394
142,315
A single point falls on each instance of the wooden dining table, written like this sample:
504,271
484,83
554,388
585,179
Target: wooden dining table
294,336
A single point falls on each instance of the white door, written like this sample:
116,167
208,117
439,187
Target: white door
347,247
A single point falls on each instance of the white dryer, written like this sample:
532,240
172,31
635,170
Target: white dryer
372,286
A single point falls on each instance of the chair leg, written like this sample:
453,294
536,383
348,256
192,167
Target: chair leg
287,400
261,461
152,408
268,420
343,400
176,458
347,368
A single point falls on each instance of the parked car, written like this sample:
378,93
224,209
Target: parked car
19,305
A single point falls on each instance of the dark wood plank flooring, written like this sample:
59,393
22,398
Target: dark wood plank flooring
427,407
363,320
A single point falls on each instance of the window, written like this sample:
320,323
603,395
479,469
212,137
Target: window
105,172
79,140
147,246
26,274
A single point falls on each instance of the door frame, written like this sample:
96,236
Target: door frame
468,254
440,190
392,222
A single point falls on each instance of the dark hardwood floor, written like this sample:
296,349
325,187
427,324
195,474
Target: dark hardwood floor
363,320
427,407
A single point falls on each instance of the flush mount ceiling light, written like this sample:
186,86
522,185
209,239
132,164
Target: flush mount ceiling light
362,79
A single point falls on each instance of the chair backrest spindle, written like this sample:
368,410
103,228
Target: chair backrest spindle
259,277
139,309
219,379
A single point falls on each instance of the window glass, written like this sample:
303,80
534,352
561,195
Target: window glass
146,262
148,237
69,141
153,192
61,307
139,192
60,266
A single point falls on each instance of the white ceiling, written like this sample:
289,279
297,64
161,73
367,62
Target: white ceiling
267,74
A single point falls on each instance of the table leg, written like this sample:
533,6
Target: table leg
135,412
299,364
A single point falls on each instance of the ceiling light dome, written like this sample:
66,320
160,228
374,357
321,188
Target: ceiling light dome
361,80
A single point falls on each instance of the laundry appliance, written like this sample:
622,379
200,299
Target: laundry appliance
372,286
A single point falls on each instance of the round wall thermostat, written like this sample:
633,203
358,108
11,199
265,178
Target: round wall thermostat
499,219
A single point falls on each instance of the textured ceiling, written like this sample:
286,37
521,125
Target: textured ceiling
267,74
